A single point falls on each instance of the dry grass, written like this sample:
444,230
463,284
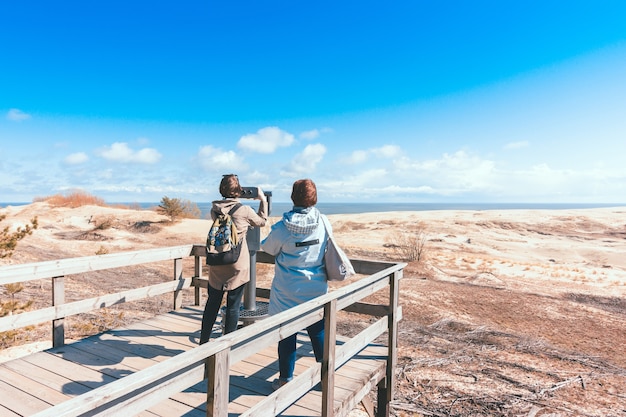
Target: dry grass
501,326
73,199
408,245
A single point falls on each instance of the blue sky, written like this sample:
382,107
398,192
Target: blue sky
408,101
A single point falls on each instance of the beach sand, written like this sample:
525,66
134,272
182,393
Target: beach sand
508,312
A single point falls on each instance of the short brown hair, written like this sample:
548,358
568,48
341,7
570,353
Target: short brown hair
304,193
229,186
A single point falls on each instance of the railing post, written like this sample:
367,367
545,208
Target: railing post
178,274
58,325
197,272
217,371
386,387
328,362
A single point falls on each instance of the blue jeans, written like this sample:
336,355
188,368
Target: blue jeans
287,349
212,307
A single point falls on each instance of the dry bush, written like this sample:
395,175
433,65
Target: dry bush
409,245
74,199
343,227
103,223
176,208
10,307
191,210
102,250
9,240
144,227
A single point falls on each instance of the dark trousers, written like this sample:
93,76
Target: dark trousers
212,308
287,349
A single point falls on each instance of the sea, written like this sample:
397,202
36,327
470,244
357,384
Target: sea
278,208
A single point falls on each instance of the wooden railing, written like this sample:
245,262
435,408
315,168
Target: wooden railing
143,389
58,269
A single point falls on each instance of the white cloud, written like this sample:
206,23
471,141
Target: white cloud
358,157
121,152
459,170
517,145
310,134
17,115
386,151
217,160
314,133
147,156
76,158
265,140
306,161
453,174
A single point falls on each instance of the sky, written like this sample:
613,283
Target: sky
376,101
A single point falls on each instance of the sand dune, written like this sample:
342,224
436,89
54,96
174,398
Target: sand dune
511,312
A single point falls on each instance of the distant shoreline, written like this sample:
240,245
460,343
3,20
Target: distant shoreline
356,208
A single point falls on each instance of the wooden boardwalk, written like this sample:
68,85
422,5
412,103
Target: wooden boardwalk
36,382
156,368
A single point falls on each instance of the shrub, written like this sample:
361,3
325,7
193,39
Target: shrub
409,245
191,210
13,306
103,223
10,307
102,250
8,240
171,207
175,208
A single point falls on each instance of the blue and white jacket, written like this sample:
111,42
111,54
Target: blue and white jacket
298,243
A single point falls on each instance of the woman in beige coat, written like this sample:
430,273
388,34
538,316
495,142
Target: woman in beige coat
231,279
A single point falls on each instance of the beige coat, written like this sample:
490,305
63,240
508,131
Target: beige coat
228,277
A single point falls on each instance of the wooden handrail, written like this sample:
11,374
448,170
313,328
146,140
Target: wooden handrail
47,269
143,389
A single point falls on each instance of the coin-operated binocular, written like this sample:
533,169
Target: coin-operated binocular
253,310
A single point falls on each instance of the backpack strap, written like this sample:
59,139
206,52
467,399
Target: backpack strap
232,210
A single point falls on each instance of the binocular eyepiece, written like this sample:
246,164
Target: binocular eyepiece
253,192
249,192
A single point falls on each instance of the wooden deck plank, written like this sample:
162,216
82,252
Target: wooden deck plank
166,332
183,320
5,412
77,373
76,368
109,353
193,398
33,388
139,346
152,336
173,408
177,322
44,376
93,361
20,402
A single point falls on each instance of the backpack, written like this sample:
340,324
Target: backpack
223,246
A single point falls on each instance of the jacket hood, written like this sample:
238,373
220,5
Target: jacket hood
223,206
302,220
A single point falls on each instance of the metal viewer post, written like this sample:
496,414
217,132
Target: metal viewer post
251,311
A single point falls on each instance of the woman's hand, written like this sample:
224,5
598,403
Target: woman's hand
260,194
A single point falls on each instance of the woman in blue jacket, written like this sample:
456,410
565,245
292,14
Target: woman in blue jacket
298,242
